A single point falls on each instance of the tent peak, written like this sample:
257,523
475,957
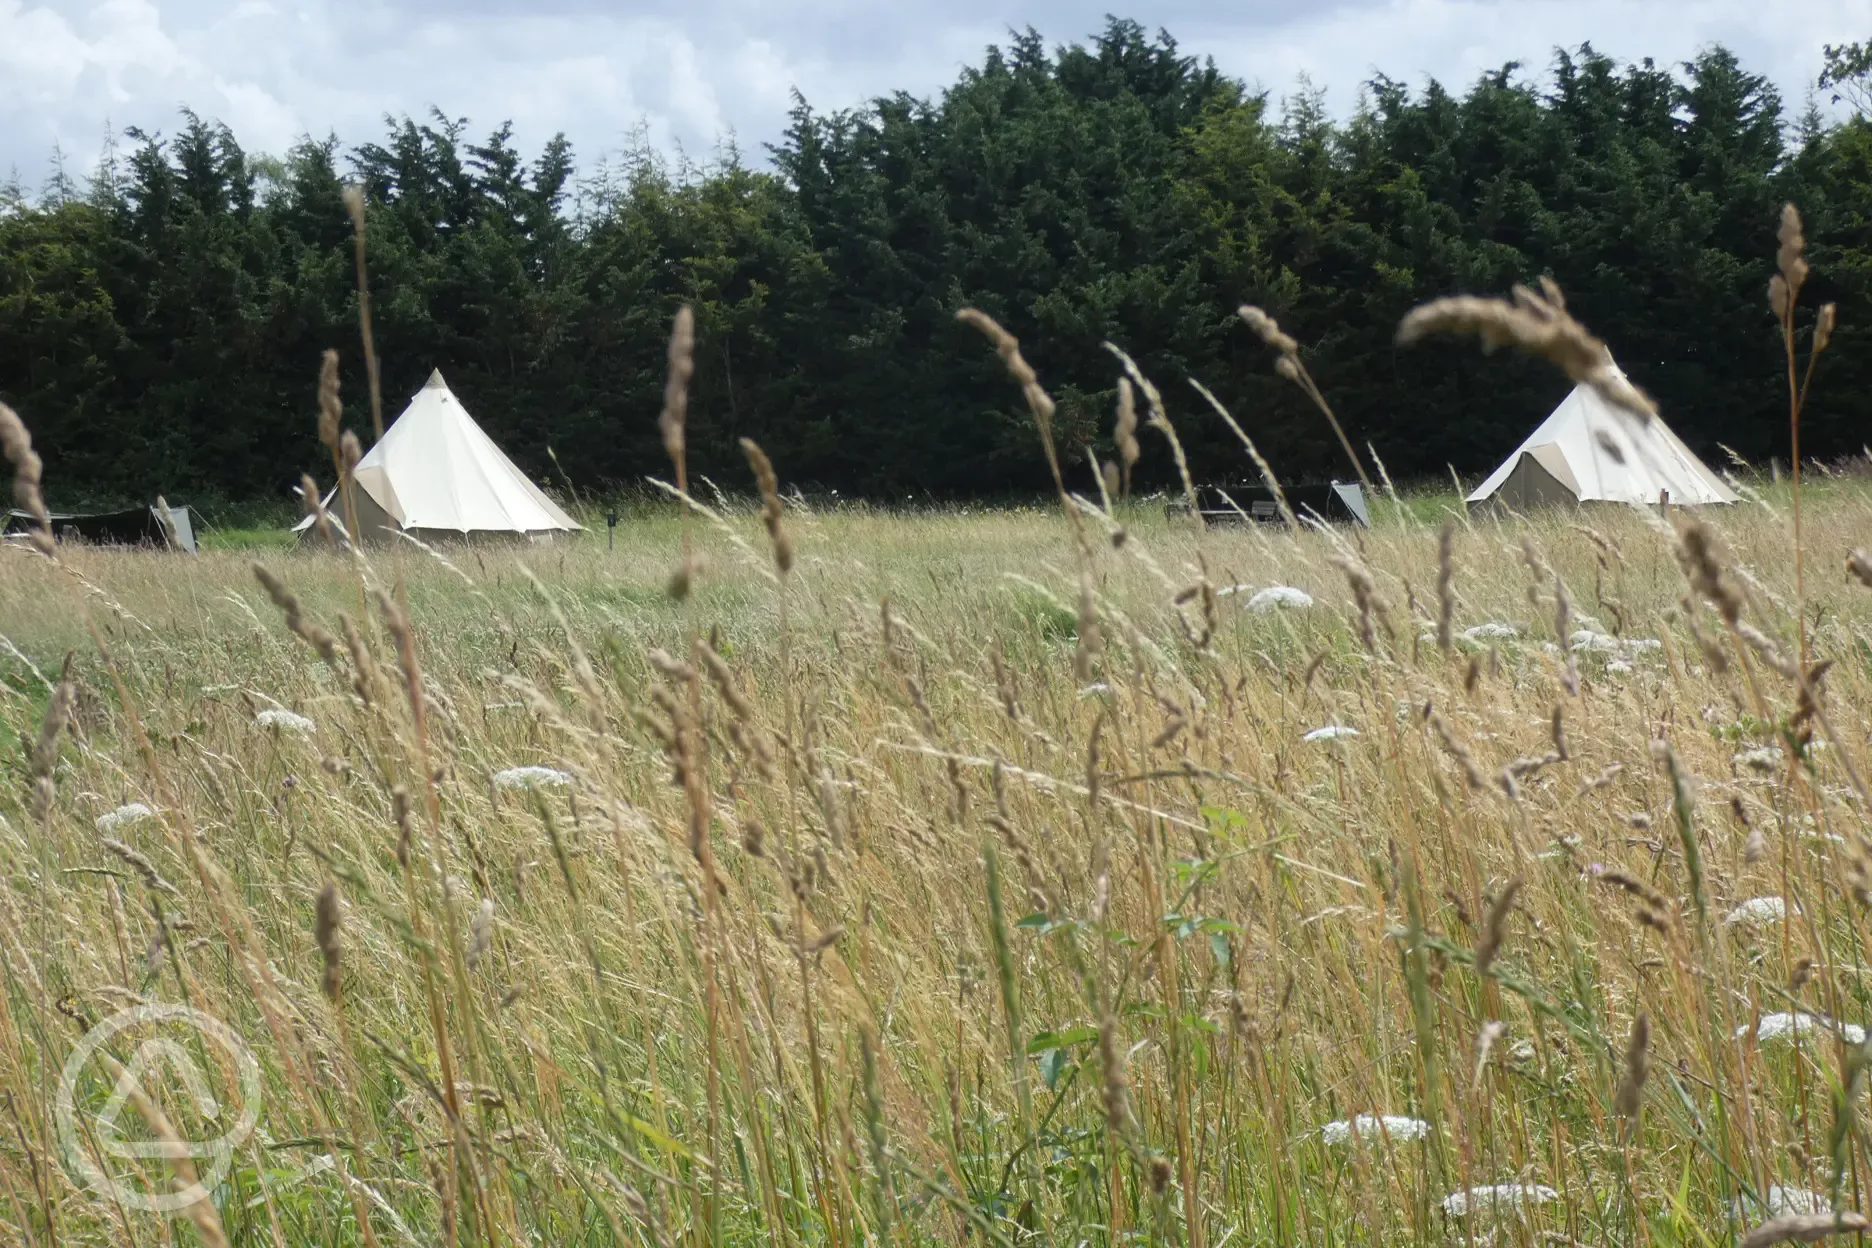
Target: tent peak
435,381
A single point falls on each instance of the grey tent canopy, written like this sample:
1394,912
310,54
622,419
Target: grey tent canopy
167,527
1338,502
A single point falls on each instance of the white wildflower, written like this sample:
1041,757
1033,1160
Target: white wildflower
1497,1198
532,778
1331,732
1275,597
133,812
284,720
1766,758
1490,630
1759,910
1781,1201
1782,1025
1619,666
1394,1126
1617,649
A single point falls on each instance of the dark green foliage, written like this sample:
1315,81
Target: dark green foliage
162,332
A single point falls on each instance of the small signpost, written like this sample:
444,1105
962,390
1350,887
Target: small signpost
611,519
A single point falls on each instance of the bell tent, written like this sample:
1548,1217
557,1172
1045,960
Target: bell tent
435,474
1590,451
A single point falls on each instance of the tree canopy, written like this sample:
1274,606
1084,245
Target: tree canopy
160,327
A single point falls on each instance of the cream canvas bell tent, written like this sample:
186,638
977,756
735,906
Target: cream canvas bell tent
1590,451
435,474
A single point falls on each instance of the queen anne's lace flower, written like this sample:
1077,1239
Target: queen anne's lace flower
1758,910
1592,641
133,812
285,721
1497,1198
1764,759
532,778
1780,1201
1490,630
1782,1025
1275,597
1371,1127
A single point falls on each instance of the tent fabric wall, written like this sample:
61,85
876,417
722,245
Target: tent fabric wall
1532,485
1589,451
435,476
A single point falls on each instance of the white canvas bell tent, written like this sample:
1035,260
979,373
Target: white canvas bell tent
1590,451
435,474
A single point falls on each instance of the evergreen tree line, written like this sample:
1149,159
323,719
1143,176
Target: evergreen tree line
160,326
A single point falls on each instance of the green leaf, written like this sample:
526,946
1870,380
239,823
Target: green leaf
1084,1033
1053,1064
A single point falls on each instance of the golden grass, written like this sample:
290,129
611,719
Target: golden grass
981,949
1316,940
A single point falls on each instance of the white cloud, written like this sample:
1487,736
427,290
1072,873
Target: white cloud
693,70
1455,41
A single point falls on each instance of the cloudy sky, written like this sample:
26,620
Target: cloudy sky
692,71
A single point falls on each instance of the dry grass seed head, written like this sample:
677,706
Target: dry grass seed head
296,621
1456,748
325,930
1563,631
1637,1068
771,515
1804,1228
1364,596
1124,432
1087,649
674,420
1791,261
315,507
152,878
400,813
1267,329
1539,324
16,443
1160,421
1699,556
1496,928
43,759
480,933
331,411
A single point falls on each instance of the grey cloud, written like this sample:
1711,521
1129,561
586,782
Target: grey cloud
692,71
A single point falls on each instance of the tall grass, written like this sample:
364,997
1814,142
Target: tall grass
949,878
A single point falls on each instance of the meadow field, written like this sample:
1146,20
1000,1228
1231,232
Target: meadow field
974,878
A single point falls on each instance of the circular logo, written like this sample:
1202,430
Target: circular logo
117,1132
